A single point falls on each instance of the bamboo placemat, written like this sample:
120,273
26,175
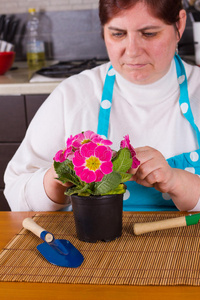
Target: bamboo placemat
168,257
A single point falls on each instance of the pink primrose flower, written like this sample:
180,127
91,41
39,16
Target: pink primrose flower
60,156
98,140
92,162
126,144
83,138
70,140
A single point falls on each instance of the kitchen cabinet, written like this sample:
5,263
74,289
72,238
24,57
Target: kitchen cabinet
16,112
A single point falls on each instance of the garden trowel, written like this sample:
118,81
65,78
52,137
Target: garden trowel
58,252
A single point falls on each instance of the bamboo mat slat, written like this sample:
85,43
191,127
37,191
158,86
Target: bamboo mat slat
167,257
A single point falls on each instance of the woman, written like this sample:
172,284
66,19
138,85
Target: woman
149,91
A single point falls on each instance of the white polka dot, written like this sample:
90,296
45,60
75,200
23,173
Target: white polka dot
105,104
126,195
111,72
104,137
184,108
181,79
166,196
190,169
194,156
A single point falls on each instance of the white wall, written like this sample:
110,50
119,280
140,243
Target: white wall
22,6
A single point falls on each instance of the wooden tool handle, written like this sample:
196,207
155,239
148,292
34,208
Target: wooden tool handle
140,228
29,224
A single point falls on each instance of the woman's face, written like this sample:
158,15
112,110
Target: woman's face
140,46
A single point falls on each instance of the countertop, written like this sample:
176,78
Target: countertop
22,81
11,224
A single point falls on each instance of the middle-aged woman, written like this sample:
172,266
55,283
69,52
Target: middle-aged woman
155,99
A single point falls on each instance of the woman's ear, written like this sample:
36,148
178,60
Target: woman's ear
181,23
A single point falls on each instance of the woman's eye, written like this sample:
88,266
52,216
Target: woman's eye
118,34
149,34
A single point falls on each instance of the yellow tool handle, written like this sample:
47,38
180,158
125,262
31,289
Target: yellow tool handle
140,228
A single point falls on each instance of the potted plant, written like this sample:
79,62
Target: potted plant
98,175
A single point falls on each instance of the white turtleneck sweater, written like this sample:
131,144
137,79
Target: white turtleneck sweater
150,114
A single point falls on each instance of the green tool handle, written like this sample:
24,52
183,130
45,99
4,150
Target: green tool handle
140,228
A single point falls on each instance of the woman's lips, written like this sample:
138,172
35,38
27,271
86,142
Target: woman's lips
135,66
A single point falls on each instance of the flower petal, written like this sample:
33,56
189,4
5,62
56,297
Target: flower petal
87,150
87,176
103,153
60,156
100,141
78,160
70,141
126,144
106,167
135,163
99,175
89,135
79,170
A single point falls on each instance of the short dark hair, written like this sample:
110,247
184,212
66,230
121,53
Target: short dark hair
166,10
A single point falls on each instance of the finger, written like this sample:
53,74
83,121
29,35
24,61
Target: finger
145,153
143,182
140,181
133,171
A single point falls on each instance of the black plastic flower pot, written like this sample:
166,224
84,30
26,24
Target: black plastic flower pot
98,218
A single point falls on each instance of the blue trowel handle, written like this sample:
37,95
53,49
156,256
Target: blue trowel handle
29,224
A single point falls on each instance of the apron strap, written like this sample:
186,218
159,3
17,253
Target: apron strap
184,97
106,103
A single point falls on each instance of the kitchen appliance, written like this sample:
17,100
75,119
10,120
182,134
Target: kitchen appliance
58,252
65,69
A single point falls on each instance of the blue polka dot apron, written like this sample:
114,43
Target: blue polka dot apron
138,197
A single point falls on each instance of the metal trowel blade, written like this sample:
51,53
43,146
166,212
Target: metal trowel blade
61,253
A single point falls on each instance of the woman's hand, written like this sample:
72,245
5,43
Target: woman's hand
154,171
55,188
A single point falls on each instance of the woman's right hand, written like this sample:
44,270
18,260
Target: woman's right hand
54,188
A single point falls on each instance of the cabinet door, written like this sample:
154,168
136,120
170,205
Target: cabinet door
33,102
7,151
3,202
12,118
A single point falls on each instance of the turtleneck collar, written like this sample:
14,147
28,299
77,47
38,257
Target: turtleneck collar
157,92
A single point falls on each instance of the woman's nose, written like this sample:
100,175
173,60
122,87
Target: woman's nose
133,46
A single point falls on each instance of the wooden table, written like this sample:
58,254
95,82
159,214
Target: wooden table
11,223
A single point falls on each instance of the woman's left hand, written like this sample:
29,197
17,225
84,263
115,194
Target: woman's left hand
153,171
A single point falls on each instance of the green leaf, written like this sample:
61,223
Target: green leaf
66,173
123,161
108,183
125,176
80,190
119,190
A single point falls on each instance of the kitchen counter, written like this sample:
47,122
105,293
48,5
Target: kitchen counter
19,81
11,223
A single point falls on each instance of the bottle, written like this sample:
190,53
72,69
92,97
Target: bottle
35,49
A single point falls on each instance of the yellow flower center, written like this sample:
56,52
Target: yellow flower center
85,141
93,163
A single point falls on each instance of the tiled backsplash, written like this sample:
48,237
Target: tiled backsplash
72,35
22,6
